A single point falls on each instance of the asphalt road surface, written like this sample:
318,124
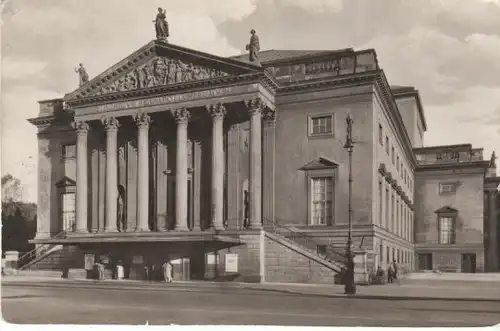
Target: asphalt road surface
193,306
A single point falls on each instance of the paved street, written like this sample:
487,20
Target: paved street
188,305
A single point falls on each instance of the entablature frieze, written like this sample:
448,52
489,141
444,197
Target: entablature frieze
193,99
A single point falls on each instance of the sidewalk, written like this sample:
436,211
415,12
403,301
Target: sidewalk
388,292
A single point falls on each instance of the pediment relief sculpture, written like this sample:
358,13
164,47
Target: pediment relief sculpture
161,71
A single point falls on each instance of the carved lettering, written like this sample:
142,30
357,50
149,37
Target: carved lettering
163,100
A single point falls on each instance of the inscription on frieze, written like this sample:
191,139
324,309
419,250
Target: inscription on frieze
161,71
164,100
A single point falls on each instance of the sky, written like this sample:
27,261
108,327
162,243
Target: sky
448,49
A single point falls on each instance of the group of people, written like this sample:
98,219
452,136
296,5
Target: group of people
150,272
392,272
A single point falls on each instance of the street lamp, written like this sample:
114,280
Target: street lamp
350,286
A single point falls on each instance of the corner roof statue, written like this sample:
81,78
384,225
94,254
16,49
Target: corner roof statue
253,47
161,25
82,73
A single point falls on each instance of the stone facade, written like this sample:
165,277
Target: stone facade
186,156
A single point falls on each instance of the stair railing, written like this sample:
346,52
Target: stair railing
25,258
330,253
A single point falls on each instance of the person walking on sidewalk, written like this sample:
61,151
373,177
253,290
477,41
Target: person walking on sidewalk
390,274
167,271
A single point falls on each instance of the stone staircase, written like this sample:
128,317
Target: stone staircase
331,257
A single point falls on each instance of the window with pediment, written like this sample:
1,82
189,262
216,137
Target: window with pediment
447,217
320,176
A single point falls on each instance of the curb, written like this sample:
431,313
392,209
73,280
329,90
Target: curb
107,285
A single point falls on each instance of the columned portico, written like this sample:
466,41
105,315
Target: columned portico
182,116
111,125
143,121
82,129
255,107
217,112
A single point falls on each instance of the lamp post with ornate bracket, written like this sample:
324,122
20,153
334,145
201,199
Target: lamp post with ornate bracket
350,286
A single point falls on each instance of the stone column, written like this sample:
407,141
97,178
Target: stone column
255,107
143,121
111,125
217,112
81,128
268,179
182,117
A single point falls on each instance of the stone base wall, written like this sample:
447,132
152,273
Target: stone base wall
287,265
70,256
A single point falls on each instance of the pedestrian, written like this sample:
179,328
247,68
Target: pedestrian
146,272
167,271
395,266
390,273
119,270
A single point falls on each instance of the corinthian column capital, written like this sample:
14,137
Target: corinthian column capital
255,105
110,123
217,111
269,116
81,127
142,120
181,115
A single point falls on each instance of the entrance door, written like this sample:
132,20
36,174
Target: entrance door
469,263
425,261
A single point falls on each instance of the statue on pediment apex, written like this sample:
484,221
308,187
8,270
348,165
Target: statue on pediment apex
161,25
253,48
82,73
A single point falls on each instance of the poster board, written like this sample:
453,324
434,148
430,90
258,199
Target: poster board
137,259
231,262
89,261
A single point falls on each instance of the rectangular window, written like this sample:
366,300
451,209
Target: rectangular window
446,230
396,230
393,155
68,211
387,255
69,151
380,135
386,208
446,188
392,213
322,200
381,202
401,167
321,249
321,125
387,145
381,252
397,163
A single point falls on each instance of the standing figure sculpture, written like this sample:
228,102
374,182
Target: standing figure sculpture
82,73
253,48
161,25
121,208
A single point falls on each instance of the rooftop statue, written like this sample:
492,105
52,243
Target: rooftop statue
161,25
253,48
82,73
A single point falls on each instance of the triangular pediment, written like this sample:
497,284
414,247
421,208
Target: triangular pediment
159,64
446,210
319,164
65,181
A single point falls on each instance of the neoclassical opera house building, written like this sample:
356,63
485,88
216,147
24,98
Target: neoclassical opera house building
235,168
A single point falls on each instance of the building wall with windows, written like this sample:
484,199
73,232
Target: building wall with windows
310,155
449,213
394,181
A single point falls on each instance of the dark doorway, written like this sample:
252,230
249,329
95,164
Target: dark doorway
469,263
425,261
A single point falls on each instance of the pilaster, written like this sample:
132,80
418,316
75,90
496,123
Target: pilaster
269,142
